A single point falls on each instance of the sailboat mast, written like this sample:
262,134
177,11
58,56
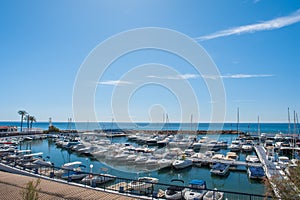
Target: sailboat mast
258,129
191,122
289,119
238,121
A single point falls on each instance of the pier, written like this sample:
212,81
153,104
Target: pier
269,167
208,161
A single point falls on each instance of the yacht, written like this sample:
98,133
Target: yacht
180,164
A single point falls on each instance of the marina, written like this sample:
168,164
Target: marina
114,159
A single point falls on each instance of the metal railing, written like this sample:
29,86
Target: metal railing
135,187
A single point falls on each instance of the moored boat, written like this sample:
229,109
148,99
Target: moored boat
181,164
256,172
97,179
220,169
143,183
213,195
252,159
196,191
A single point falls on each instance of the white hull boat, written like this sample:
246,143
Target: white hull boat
143,183
181,164
213,195
197,191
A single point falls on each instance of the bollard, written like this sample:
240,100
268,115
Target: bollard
121,189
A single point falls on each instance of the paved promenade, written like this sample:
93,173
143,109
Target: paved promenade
11,186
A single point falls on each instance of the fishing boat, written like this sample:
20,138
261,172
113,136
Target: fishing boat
143,183
220,169
256,173
252,159
213,195
98,179
181,164
196,190
175,192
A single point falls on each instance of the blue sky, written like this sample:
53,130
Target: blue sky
254,44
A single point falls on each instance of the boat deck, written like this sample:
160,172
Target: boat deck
12,185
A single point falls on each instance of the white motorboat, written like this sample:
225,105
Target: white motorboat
67,167
220,169
252,159
164,163
180,164
247,148
175,192
30,157
73,175
143,183
213,195
42,163
98,179
131,158
231,156
196,191
141,160
235,146
283,161
256,173
218,156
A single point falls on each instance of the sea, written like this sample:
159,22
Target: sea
244,127
236,181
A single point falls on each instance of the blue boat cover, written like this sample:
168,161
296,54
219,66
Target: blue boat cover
220,166
257,171
197,182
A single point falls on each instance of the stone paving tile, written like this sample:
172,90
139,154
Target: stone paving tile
11,186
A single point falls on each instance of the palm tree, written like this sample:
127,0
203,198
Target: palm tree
22,113
32,119
27,120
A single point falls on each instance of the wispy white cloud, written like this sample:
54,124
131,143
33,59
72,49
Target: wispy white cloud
115,83
252,28
247,75
237,76
176,77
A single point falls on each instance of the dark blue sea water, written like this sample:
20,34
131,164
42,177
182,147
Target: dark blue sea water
246,127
